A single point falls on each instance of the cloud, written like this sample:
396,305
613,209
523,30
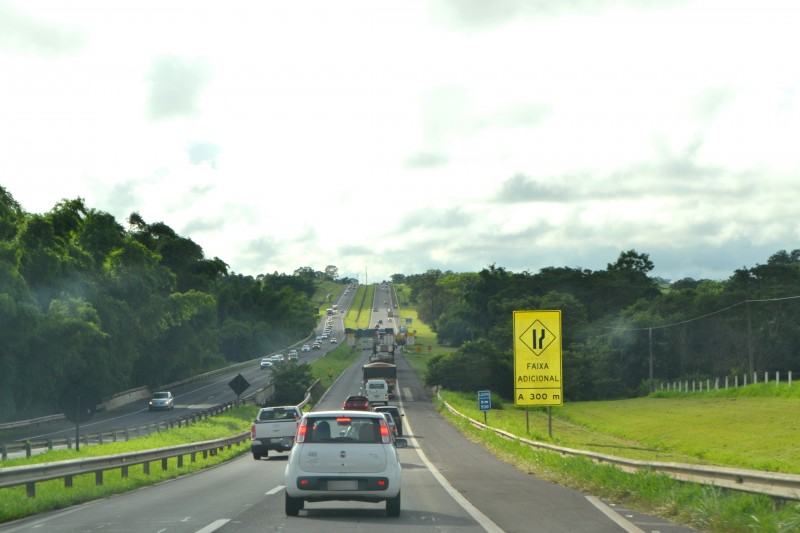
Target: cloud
176,85
204,152
424,160
522,188
483,15
22,32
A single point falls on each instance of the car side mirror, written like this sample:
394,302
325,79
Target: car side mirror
400,443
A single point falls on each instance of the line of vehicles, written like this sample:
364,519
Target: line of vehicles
344,455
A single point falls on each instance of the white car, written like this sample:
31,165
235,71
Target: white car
333,340
278,358
344,456
266,363
305,348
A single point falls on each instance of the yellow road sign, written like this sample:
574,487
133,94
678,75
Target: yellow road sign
537,358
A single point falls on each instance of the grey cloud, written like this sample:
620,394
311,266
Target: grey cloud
433,219
424,160
522,188
204,152
201,225
176,85
20,31
708,104
482,14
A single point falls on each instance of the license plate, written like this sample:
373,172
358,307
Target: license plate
343,484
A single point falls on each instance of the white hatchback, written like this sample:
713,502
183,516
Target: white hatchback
344,456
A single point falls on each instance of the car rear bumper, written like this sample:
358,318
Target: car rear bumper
328,488
283,444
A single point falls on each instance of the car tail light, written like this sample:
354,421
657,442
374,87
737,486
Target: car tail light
301,432
252,432
381,482
385,432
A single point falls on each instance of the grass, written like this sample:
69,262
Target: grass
51,495
725,431
702,507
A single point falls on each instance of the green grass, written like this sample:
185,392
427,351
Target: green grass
51,495
702,507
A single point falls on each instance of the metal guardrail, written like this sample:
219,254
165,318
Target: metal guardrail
775,485
29,475
112,435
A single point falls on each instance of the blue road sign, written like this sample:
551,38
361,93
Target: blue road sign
484,400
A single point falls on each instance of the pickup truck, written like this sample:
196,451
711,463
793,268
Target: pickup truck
274,429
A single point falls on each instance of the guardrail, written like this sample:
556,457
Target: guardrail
30,475
113,435
775,485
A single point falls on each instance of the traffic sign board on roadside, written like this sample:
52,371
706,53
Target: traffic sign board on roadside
537,358
484,400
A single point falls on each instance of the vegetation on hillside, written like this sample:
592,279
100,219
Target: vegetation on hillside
87,303
615,322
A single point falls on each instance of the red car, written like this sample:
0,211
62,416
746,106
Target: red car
356,402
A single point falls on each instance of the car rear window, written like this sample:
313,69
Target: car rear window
343,429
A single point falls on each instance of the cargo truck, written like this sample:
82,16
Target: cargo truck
384,371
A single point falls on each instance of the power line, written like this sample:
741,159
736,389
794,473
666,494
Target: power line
762,300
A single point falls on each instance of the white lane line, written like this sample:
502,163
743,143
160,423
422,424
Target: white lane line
465,504
213,526
275,490
615,517
407,394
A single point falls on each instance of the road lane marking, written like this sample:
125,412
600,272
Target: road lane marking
615,517
275,490
407,394
213,526
484,521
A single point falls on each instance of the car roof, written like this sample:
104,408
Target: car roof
353,413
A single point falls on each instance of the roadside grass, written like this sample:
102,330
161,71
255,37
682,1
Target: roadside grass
51,495
696,430
337,361
326,292
702,507
749,427
357,316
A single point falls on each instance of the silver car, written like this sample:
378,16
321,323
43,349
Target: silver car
162,400
344,455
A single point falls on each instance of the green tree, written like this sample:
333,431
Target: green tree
291,383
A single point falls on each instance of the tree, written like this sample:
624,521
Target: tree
291,383
331,272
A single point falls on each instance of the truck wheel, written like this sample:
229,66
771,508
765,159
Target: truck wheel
293,505
256,456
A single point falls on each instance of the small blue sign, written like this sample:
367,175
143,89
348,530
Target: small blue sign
484,400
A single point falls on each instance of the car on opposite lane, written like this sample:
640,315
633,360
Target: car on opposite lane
343,456
162,400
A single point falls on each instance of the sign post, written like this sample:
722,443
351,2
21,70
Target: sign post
484,402
537,358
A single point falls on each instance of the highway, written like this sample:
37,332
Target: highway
450,485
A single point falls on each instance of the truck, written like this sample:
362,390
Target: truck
384,342
384,371
274,428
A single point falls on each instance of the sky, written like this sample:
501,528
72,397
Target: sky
400,137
